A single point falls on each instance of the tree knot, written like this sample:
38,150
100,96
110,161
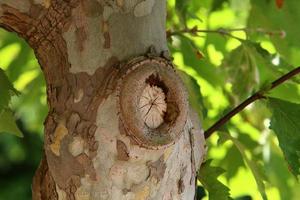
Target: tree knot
152,102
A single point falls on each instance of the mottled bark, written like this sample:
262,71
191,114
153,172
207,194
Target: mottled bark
100,142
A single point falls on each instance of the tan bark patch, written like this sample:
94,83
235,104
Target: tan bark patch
144,8
143,193
61,193
106,35
168,152
76,146
47,3
122,151
60,132
120,3
78,96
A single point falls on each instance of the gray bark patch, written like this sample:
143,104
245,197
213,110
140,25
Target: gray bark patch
144,8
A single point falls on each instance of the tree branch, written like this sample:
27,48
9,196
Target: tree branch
254,97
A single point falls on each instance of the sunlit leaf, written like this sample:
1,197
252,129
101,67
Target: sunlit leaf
286,124
202,66
277,171
208,176
265,15
31,105
242,72
6,90
253,165
232,162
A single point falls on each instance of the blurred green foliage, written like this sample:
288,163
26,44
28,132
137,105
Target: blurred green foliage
225,50
231,49
19,157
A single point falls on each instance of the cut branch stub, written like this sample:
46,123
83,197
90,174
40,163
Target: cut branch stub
152,102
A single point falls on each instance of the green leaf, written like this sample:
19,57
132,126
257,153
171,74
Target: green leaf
232,162
6,90
285,122
8,124
264,14
278,173
233,159
288,91
253,165
217,4
208,176
31,105
242,72
204,68
187,9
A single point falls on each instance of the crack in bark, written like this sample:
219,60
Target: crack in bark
193,164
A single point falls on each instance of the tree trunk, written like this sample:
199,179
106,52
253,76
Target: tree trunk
119,125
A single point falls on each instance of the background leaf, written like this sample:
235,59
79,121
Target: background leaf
254,166
7,123
286,125
6,90
208,176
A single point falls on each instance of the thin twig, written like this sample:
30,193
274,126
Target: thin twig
225,32
254,97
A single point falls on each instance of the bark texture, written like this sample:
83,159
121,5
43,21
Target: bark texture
100,142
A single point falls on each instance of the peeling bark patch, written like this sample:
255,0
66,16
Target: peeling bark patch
167,153
35,10
76,146
92,8
73,184
81,37
87,164
122,151
157,168
60,132
73,121
120,3
143,193
47,3
13,20
144,8
78,96
61,193
106,35
43,185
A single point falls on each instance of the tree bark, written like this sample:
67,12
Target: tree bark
119,125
